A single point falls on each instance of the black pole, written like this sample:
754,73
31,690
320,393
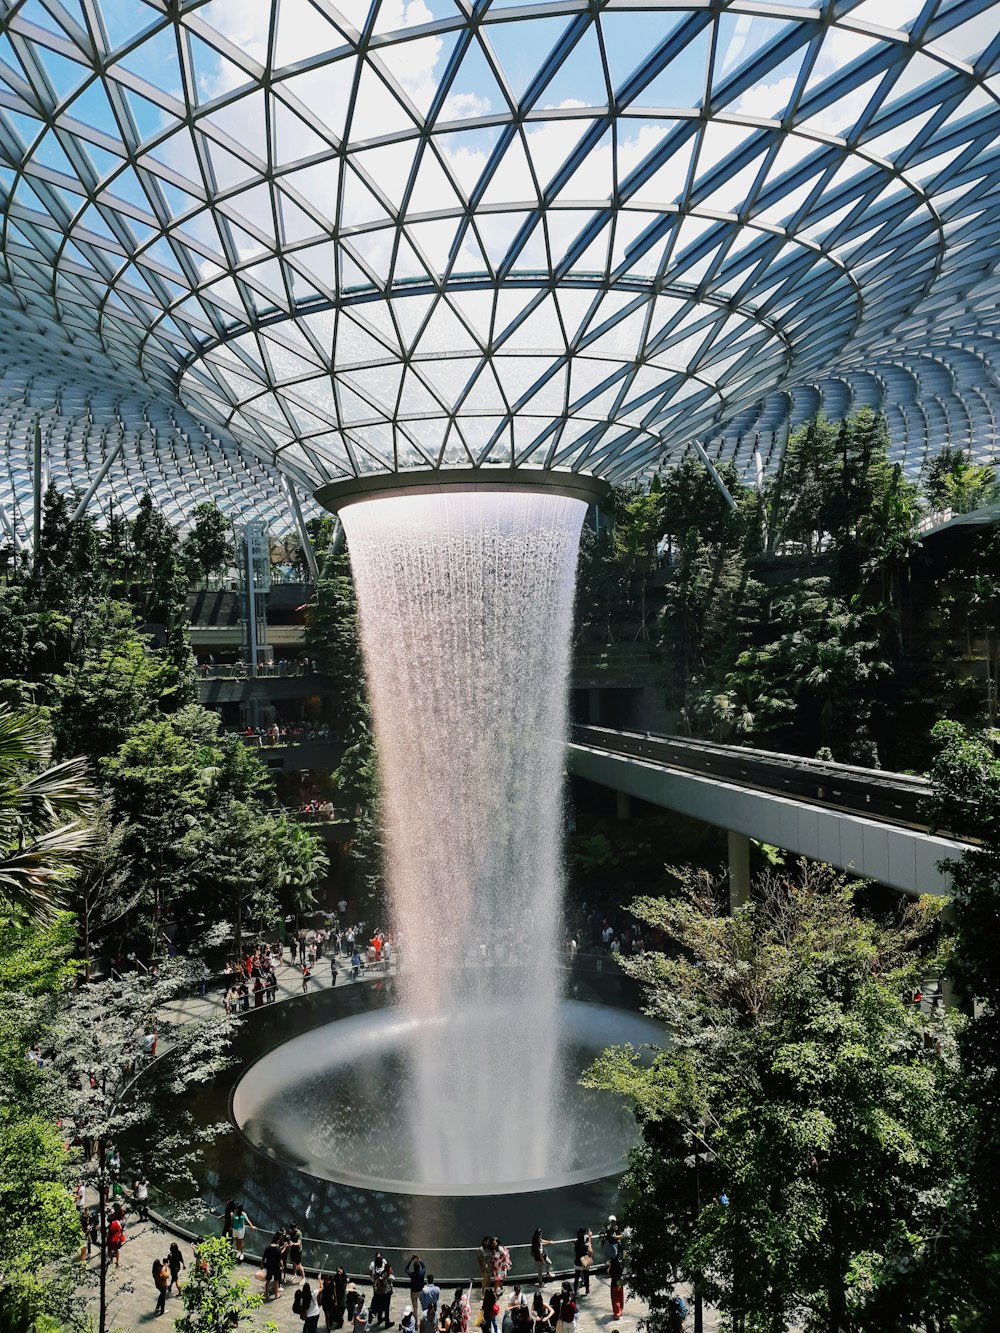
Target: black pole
697,1212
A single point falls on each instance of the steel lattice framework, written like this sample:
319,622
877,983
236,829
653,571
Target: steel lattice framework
247,238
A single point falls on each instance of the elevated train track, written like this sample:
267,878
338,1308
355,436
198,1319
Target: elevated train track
867,821
894,797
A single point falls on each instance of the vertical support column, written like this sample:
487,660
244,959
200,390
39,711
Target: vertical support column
950,996
36,492
739,869
251,600
623,805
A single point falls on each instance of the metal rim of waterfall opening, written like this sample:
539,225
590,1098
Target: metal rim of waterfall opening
592,490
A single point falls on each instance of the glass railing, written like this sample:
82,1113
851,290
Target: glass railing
451,1266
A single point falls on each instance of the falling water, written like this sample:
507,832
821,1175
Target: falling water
466,610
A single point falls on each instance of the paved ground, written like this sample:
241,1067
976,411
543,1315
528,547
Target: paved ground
132,1296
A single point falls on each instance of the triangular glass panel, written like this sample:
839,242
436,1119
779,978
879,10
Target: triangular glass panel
324,93
681,82
579,79
416,399
512,181
302,31
522,49
376,113
432,190
738,38
414,65
214,73
466,153
358,205
474,90
388,168
294,140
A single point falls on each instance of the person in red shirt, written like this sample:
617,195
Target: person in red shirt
116,1239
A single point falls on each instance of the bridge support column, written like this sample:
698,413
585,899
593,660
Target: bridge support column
739,869
623,805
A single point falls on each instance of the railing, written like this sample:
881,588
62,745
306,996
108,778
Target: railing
286,736
451,1266
331,815
611,658
240,670
938,517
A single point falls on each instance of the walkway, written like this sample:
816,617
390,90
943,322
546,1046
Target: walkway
867,821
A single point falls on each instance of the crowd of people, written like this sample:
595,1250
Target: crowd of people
251,981
338,1299
286,733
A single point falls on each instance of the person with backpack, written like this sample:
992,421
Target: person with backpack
491,1310
306,1306
161,1280
677,1312
381,1276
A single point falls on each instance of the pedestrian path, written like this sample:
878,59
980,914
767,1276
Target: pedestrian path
132,1295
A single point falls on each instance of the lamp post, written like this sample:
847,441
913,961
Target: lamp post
697,1213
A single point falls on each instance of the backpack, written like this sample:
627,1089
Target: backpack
297,1303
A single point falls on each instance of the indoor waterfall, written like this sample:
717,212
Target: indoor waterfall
466,605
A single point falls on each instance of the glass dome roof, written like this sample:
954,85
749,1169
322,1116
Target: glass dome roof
326,240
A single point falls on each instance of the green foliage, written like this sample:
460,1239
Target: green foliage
333,638
966,803
824,1106
43,813
594,855
116,681
40,1237
214,1299
953,482
197,834
207,548
810,683
692,502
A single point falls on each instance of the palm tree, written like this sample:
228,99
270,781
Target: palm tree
43,825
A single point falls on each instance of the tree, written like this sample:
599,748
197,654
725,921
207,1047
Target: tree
298,862
41,1236
800,1081
207,549
116,681
953,482
214,1300
333,637
108,1090
966,803
692,501
102,895
43,818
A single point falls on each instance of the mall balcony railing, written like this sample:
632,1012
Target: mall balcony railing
269,740
936,518
240,670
